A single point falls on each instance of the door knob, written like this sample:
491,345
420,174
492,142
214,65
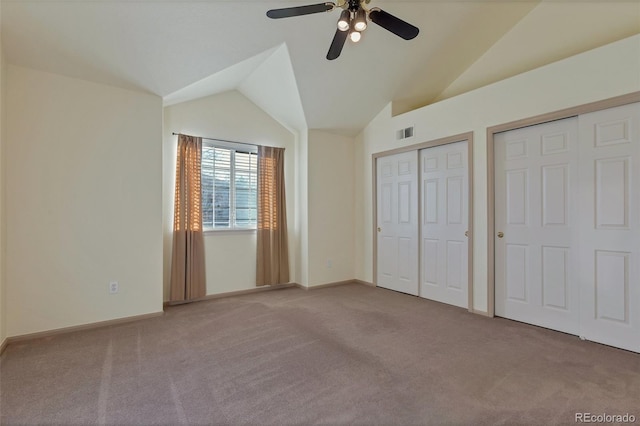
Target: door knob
466,233
500,234
379,229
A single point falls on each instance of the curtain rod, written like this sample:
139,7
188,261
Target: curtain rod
216,139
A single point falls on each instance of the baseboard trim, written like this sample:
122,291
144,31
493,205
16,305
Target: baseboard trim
368,284
83,327
31,336
334,284
233,293
3,346
481,313
471,310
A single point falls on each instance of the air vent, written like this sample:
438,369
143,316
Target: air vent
404,133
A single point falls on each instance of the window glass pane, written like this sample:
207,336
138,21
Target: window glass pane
207,186
229,178
245,199
245,189
245,161
222,187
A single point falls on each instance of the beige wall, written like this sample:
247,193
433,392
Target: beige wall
230,256
602,73
83,202
3,321
331,206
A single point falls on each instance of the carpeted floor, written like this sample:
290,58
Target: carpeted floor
342,355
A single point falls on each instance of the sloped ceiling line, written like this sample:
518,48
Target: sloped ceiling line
266,79
162,47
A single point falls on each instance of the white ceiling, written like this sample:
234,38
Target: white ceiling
182,49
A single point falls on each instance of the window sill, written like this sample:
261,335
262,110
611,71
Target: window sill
228,231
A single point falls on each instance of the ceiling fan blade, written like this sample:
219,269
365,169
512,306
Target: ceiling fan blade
337,44
288,12
395,25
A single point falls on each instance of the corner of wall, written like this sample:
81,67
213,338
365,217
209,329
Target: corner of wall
3,316
359,210
331,205
168,185
302,210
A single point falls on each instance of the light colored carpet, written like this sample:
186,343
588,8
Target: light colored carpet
342,355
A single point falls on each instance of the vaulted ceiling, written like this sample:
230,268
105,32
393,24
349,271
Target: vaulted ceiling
184,49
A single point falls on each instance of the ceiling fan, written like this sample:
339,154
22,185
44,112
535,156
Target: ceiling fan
352,22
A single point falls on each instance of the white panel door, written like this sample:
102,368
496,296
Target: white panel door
397,203
536,231
445,213
610,226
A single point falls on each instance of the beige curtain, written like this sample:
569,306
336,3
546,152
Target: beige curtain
273,252
187,263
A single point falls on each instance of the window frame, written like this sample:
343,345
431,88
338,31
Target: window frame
233,148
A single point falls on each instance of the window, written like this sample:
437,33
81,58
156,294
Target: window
229,186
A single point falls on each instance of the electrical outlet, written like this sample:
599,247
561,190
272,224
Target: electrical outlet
329,263
113,287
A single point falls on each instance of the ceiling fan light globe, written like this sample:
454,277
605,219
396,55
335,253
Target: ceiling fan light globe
355,36
344,21
360,20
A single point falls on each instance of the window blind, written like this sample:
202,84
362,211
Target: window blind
229,188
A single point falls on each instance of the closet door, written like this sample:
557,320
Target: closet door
397,215
536,228
610,226
445,213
